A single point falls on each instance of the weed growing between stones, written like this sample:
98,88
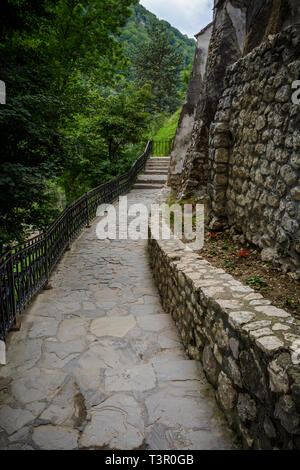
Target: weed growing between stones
257,281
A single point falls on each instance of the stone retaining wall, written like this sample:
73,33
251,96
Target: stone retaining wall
254,155
250,350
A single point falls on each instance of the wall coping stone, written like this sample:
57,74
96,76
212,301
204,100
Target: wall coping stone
206,296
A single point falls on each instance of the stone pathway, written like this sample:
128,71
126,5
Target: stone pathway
98,364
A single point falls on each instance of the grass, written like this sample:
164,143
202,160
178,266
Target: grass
168,130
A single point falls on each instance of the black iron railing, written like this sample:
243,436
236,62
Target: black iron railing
162,148
25,268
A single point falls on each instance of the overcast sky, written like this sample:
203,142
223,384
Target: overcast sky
189,16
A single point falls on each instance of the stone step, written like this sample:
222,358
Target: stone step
152,179
156,167
158,159
147,186
155,172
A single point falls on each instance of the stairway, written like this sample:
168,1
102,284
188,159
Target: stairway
154,175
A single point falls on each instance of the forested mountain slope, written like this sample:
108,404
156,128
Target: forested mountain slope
136,32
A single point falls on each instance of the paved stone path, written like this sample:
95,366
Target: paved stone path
98,364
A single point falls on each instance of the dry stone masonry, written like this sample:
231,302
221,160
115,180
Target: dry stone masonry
225,47
244,159
250,350
254,156
98,364
244,147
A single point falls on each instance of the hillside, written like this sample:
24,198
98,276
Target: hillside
135,33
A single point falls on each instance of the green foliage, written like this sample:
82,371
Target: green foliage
83,37
52,53
230,265
31,147
105,144
168,127
292,303
257,281
184,79
158,64
137,29
74,118
122,119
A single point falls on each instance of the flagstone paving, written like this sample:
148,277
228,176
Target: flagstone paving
99,364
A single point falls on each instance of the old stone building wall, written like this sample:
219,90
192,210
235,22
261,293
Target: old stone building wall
249,165
239,26
265,17
187,116
254,157
226,44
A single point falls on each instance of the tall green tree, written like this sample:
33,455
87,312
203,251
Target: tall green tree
84,38
119,121
136,32
158,63
31,147
123,119
51,53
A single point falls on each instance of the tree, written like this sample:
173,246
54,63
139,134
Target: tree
184,79
51,53
158,63
83,38
106,143
123,119
30,145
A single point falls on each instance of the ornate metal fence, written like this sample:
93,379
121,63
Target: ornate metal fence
162,148
25,268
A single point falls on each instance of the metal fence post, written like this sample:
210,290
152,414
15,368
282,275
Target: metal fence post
11,282
22,272
87,210
46,285
68,228
46,258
